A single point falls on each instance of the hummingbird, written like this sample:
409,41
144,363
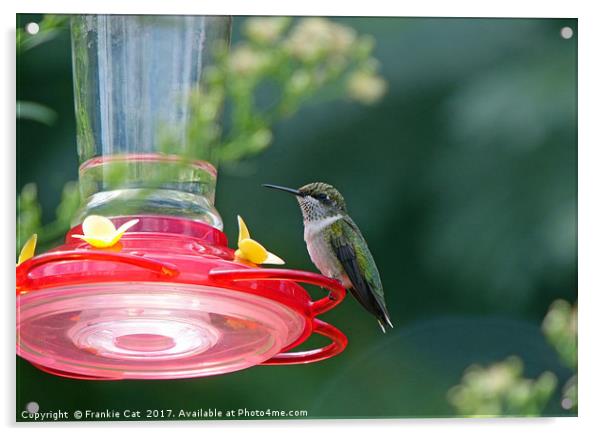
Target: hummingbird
337,247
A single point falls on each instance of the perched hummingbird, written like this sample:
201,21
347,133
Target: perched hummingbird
337,248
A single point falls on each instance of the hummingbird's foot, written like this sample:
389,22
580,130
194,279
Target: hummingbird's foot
330,296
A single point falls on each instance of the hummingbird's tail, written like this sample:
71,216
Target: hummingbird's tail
382,314
376,306
386,320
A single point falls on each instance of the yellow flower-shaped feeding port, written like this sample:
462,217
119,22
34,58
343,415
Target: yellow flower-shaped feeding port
100,232
28,250
251,251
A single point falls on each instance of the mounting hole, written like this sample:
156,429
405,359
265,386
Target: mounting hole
566,32
566,403
32,407
32,28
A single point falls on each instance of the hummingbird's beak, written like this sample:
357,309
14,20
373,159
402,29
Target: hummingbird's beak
282,188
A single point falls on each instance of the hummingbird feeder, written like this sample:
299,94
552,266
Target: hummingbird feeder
168,300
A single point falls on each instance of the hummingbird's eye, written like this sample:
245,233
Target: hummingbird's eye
322,197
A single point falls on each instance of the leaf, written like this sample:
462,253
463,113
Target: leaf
30,110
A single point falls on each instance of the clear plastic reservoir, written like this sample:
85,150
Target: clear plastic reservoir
144,141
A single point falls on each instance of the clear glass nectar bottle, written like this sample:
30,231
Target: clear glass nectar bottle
138,83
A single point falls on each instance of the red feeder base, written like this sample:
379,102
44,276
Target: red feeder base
167,302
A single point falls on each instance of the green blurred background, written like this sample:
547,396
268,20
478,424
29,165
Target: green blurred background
463,180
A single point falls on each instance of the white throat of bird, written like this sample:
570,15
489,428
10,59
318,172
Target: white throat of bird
316,226
314,210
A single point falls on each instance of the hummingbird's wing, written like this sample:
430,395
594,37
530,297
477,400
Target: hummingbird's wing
352,251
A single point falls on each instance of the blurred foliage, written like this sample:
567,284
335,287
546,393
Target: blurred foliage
29,214
36,112
569,395
468,163
29,211
500,389
47,29
560,329
278,68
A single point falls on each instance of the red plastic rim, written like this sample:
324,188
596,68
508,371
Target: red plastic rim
169,302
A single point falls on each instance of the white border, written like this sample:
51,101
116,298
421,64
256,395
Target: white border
507,8
590,198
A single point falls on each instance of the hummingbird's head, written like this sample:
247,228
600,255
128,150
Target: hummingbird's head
317,200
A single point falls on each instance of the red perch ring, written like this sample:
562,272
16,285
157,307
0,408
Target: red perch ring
167,302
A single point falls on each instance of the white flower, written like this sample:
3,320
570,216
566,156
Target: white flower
314,37
366,87
265,30
310,39
343,38
244,60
